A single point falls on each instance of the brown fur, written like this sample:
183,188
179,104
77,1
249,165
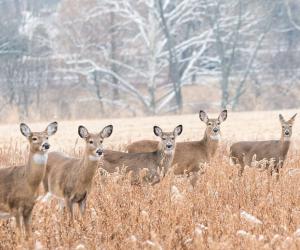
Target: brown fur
19,185
71,178
243,152
160,159
188,155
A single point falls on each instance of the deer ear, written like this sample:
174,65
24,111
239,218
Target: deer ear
281,119
178,130
106,131
25,130
223,116
83,132
51,128
157,131
203,116
292,118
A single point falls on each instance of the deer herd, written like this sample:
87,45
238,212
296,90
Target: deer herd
70,179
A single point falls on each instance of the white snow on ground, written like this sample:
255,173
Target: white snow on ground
176,196
250,218
199,229
294,171
297,233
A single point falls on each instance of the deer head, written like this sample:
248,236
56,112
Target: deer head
94,142
167,143
213,125
39,140
287,127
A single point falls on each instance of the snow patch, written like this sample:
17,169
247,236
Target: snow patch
38,245
80,247
176,196
199,229
297,233
250,218
294,171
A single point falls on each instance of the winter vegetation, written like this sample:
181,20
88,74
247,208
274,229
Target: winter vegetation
100,62
217,210
59,58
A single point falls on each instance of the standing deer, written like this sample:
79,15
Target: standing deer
70,178
244,152
19,185
156,162
188,155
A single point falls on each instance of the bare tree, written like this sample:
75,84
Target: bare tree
234,26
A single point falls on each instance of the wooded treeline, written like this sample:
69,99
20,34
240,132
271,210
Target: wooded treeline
101,58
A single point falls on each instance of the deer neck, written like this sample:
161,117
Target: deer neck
211,143
88,168
284,145
35,168
165,159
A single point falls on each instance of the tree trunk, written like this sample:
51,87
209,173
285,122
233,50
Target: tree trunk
113,66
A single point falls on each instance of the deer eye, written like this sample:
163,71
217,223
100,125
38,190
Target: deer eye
34,138
218,123
172,138
209,123
91,142
101,141
164,138
47,138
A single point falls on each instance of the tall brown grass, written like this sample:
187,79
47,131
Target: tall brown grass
214,212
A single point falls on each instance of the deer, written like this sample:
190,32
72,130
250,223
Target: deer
19,185
70,179
190,155
243,153
156,163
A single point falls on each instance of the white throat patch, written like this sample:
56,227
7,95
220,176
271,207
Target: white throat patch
94,158
215,137
40,159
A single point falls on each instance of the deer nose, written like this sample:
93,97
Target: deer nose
99,152
286,132
169,145
215,130
46,145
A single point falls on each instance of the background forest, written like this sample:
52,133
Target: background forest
75,59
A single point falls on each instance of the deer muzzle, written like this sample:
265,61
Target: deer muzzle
45,146
99,152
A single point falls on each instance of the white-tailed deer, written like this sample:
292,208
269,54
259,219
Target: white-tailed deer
156,162
275,151
70,178
188,155
19,185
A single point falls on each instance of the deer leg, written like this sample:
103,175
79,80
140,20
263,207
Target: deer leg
19,226
27,221
18,221
82,206
241,169
276,170
69,205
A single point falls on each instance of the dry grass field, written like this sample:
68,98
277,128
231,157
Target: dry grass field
220,211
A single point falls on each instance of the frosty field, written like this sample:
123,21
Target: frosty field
218,211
